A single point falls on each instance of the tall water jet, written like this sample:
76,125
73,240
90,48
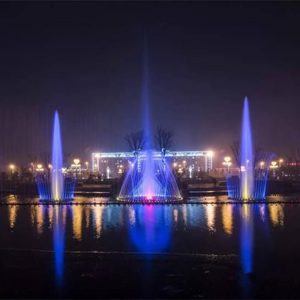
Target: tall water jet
57,177
251,183
149,177
53,184
247,161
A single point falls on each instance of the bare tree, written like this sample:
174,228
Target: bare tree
136,141
297,154
235,149
259,154
164,139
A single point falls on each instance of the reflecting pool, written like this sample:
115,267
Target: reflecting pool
173,251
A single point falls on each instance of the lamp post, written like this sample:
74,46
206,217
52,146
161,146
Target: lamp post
12,168
76,162
274,166
227,162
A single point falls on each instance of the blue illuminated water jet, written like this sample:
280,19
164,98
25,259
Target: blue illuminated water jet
247,162
55,185
251,182
150,176
57,177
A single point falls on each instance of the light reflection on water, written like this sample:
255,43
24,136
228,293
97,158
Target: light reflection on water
187,228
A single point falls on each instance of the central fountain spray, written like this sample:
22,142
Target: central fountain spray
150,177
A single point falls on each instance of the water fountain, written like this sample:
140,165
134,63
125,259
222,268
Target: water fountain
55,185
150,177
57,176
251,182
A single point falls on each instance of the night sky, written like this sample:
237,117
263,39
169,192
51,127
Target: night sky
85,59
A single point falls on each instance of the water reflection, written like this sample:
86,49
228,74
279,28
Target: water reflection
246,238
210,216
87,216
97,214
227,218
37,218
77,211
59,242
150,228
12,215
276,214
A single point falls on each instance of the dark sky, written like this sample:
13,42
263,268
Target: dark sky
85,59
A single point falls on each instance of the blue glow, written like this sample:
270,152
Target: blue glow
247,161
246,237
59,243
150,231
149,178
54,185
251,184
57,177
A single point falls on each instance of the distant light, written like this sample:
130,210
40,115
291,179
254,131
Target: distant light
39,168
281,160
210,153
49,166
227,159
243,169
12,166
274,164
76,161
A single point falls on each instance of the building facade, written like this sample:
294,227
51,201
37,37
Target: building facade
185,163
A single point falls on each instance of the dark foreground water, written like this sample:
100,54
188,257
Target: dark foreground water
154,251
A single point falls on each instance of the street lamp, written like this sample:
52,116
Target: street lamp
227,162
76,161
262,164
39,168
274,166
12,168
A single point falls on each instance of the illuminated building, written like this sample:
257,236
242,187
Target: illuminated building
190,162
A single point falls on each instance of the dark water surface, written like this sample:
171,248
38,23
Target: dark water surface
153,251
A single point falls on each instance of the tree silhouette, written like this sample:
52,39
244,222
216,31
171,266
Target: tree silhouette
164,139
136,141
